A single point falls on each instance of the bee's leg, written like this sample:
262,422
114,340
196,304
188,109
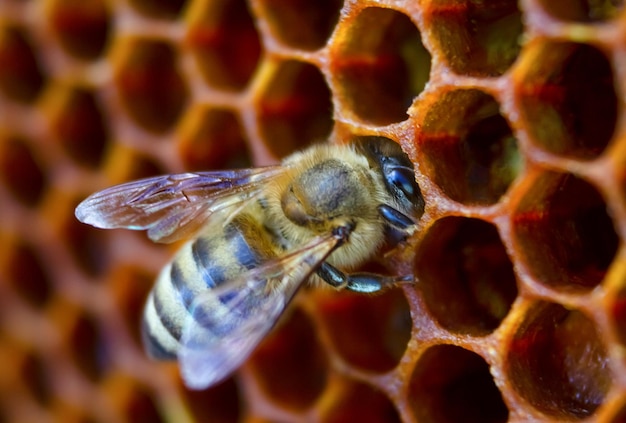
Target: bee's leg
357,282
395,218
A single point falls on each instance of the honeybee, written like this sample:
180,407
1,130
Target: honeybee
255,236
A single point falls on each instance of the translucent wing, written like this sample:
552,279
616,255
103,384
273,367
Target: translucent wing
228,322
172,207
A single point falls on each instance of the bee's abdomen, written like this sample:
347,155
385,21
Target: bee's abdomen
200,266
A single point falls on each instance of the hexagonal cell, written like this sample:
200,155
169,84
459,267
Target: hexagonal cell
212,139
468,148
160,9
301,24
359,403
295,108
21,75
132,401
368,332
556,361
85,243
563,232
379,65
34,376
24,377
82,27
451,384
290,365
567,98
224,41
583,10
25,273
86,247
77,121
476,38
84,340
466,276
130,286
23,176
219,404
150,86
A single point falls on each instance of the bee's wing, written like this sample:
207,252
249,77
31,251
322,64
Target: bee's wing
172,207
228,322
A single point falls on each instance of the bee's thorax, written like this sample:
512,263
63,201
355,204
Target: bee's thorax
327,192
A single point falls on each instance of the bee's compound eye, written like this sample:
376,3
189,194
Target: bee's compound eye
400,181
404,179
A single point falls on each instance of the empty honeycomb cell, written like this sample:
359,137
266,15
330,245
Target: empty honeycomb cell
295,109
475,37
26,274
86,244
558,362
451,384
468,148
33,374
21,75
224,42
23,176
130,286
359,403
379,65
302,24
369,332
290,366
563,232
160,9
567,98
212,139
132,401
466,276
82,27
149,84
77,121
583,10
219,404
84,340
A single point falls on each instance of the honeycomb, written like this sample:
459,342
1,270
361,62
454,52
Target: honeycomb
512,113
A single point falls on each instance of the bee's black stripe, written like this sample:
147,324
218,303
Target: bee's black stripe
178,280
236,254
246,256
212,323
169,324
202,251
153,345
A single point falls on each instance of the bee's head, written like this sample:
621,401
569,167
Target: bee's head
397,173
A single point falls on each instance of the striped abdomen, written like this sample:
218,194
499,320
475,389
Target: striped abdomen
219,255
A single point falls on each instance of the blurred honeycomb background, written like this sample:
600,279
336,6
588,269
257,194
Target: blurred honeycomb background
513,113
